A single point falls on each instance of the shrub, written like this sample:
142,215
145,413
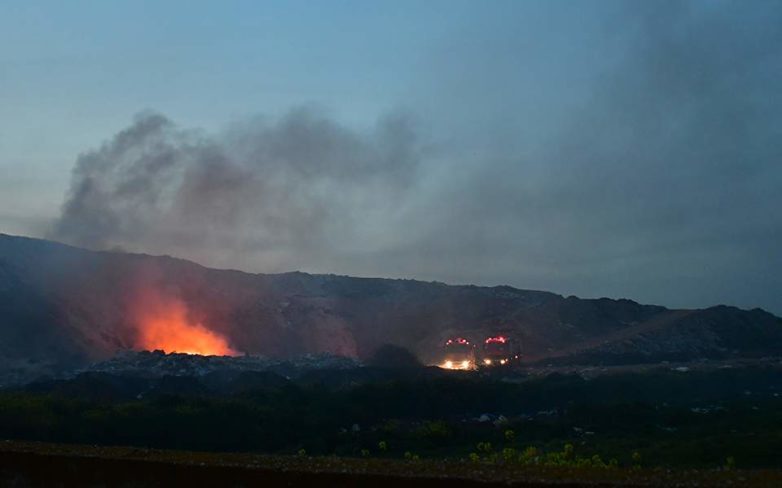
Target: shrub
484,447
636,459
730,463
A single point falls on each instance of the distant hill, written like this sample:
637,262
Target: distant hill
62,307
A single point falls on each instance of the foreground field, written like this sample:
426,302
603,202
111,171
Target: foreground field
25,464
724,418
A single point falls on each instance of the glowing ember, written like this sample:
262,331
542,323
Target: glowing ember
164,325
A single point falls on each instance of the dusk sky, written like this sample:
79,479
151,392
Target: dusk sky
629,149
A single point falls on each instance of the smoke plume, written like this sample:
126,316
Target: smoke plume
282,191
657,178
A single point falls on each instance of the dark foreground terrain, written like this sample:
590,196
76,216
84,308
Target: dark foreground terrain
37,464
706,424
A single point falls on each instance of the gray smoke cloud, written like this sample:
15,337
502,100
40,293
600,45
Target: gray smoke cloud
659,182
662,186
281,192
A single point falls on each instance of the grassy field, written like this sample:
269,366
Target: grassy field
44,464
662,427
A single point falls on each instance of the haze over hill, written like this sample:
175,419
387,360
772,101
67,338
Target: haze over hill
64,306
606,148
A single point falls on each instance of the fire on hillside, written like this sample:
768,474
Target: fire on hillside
165,324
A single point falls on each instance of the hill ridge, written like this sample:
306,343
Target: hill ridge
62,306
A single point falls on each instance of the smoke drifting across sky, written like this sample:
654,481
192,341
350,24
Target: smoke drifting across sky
283,194
659,179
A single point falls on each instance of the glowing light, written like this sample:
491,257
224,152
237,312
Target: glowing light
487,362
164,324
459,340
499,339
460,365
503,361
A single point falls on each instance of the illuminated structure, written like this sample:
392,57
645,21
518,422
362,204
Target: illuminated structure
459,353
500,351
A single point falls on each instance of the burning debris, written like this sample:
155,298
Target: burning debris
164,325
161,320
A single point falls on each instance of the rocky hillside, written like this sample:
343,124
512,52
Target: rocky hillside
62,306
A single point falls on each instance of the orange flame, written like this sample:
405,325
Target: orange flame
164,324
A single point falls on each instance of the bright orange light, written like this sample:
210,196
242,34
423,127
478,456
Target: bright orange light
163,324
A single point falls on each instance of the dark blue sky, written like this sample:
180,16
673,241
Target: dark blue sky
603,148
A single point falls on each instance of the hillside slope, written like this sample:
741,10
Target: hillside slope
62,306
